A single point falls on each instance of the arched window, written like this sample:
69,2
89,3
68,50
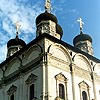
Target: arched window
61,91
12,92
31,83
61,86
84,95
12,97
84,90
31,91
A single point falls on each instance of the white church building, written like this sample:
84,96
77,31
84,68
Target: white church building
47,68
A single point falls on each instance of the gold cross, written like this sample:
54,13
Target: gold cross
48,6
81,23
17,26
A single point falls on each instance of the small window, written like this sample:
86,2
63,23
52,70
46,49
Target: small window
31,91
12,97
84,95
61,91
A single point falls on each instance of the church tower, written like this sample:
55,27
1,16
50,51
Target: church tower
47,23
15,44
83,41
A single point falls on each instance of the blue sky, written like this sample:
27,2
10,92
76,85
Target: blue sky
67,12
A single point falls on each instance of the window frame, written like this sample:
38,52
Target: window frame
83,86
30,81
12,91
61,79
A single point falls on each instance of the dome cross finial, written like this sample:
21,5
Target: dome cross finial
80,23
48,6
17,27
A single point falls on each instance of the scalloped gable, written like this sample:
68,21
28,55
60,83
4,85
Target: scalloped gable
60,52
32,53
82,62
12,66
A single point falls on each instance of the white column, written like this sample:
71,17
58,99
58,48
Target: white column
43,81
93,82
73,83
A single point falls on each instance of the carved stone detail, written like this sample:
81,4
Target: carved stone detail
31,79
84,85
11,90
60,77
43,27
82,73
59,64
48,27
52,27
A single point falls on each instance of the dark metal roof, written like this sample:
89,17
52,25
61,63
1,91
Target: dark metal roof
81,37
46,16
16,41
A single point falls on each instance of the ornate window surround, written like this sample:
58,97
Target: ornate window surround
12,90
83,86
61,79
31,80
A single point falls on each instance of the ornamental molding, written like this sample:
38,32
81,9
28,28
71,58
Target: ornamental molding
31,79
82,73
11,90
61,77
84,85
57,63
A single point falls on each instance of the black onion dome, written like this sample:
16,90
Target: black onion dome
16,41
82,37
46,16
59,30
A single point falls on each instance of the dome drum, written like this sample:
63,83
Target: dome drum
14,45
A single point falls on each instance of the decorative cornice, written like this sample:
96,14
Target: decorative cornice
58,63
82,73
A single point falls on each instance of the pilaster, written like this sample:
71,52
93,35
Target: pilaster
93,82
72,71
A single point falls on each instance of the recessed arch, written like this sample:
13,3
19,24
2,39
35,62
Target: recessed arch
96,68
60,52
32,53
12,66
82,62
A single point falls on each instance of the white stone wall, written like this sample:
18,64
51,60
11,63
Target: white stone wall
58,61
